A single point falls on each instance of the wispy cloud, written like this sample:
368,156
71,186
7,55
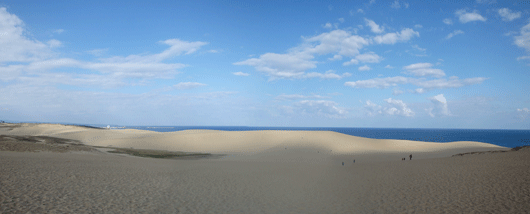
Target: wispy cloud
440,106
98,52
393,107
392,38
423,70
58,31
373,26
452,82
369,57
454,33
448,21
523,39
241,74
324,108
188,85
365,68
299,97
465,17
523,113
507,15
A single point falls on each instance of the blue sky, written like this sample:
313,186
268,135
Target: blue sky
401,64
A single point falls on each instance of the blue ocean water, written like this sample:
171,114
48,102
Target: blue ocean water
501,137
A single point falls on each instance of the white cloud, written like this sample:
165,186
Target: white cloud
298,96
239,73
365,68
406,4
419,91
53,43
291,65
325,108
114,68
394,107
14,46
418,48
398,107
397,92
391,38
58,31
448,21
523,58
523,40
299,59
378,82
338,41
327,25
440,106
452,82
336,57
423,70
523,113
188,85
395,5
341,20
369,57
327,75
507,14
418,26
373,26
373,109
389,67
98,52
360,11
454,33
465,17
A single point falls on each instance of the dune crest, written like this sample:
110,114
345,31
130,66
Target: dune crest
246,142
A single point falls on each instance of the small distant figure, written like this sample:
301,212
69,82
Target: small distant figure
108,126
410,156
343,163
353,160
285,147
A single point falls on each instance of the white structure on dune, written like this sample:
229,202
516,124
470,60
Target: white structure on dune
108,126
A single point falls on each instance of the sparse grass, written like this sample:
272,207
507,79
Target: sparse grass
158,153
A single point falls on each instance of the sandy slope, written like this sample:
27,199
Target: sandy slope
103,183
266,172
313,146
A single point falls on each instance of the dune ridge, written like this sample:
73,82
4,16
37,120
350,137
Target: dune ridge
247,142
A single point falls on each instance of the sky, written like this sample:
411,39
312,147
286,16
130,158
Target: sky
370,63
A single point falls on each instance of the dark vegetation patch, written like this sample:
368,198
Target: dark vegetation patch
16,143
496,151
41,143
161,153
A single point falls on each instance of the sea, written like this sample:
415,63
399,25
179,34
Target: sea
500,137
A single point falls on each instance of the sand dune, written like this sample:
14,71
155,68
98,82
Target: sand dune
265,144
265,172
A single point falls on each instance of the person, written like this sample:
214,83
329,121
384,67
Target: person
410,156
343,163
353,160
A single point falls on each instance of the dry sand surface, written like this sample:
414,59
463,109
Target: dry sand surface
264,172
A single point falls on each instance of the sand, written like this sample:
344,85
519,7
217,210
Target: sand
264,172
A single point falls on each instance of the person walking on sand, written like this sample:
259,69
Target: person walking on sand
410,156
